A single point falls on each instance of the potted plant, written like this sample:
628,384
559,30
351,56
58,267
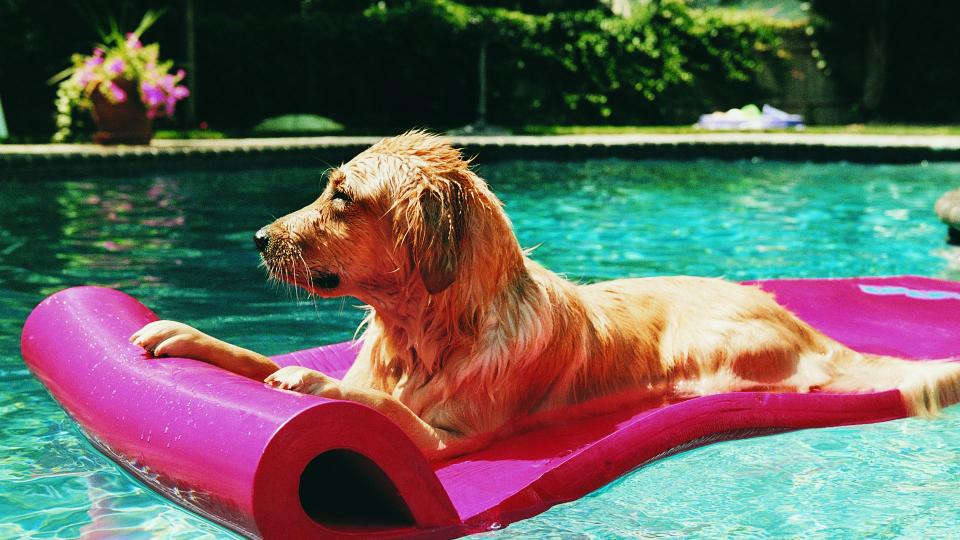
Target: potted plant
123,84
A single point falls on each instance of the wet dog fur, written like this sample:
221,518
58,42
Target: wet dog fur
466,337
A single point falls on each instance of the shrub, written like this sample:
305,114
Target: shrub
665,61
297,124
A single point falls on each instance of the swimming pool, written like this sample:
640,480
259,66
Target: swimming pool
182,244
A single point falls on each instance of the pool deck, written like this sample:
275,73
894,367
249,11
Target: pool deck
60,160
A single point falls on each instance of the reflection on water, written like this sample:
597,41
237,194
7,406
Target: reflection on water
182,244
890,480
102,216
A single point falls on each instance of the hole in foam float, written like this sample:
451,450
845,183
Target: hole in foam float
342,489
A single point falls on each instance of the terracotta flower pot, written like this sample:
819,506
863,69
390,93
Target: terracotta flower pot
121,123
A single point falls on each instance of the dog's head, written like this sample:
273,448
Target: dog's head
405,215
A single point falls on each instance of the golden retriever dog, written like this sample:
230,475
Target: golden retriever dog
467,337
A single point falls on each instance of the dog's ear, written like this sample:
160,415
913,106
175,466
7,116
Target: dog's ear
437,247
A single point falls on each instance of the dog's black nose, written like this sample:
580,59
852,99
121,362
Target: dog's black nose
262,239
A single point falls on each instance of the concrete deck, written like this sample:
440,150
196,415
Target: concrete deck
59,160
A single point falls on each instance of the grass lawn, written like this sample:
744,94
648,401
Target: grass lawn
189,134
865,129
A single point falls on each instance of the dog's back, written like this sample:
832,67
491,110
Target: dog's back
700,336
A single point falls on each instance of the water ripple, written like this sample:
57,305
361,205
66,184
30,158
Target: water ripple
181,243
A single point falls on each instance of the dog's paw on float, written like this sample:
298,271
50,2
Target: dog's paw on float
171,338
305,381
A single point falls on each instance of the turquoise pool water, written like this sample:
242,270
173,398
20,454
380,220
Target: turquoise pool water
182,244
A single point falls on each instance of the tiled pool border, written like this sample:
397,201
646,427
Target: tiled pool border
58,160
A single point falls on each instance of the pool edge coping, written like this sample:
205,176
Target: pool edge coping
38,161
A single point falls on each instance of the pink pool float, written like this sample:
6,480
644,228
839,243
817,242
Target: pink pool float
276,464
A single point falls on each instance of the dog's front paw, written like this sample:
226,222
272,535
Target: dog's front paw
171,338
303,380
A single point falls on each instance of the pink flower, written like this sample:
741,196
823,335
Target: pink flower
93,61
153,96
98,53
180,92
133,42
84,76
116,66
119,96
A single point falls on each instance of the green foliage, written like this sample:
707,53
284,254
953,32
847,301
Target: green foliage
385,66
590,65
787,10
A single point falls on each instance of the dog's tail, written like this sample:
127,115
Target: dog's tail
926,386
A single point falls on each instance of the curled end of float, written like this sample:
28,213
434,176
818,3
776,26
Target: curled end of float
261,461
342,470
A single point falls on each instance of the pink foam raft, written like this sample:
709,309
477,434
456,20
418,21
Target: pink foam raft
276,464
